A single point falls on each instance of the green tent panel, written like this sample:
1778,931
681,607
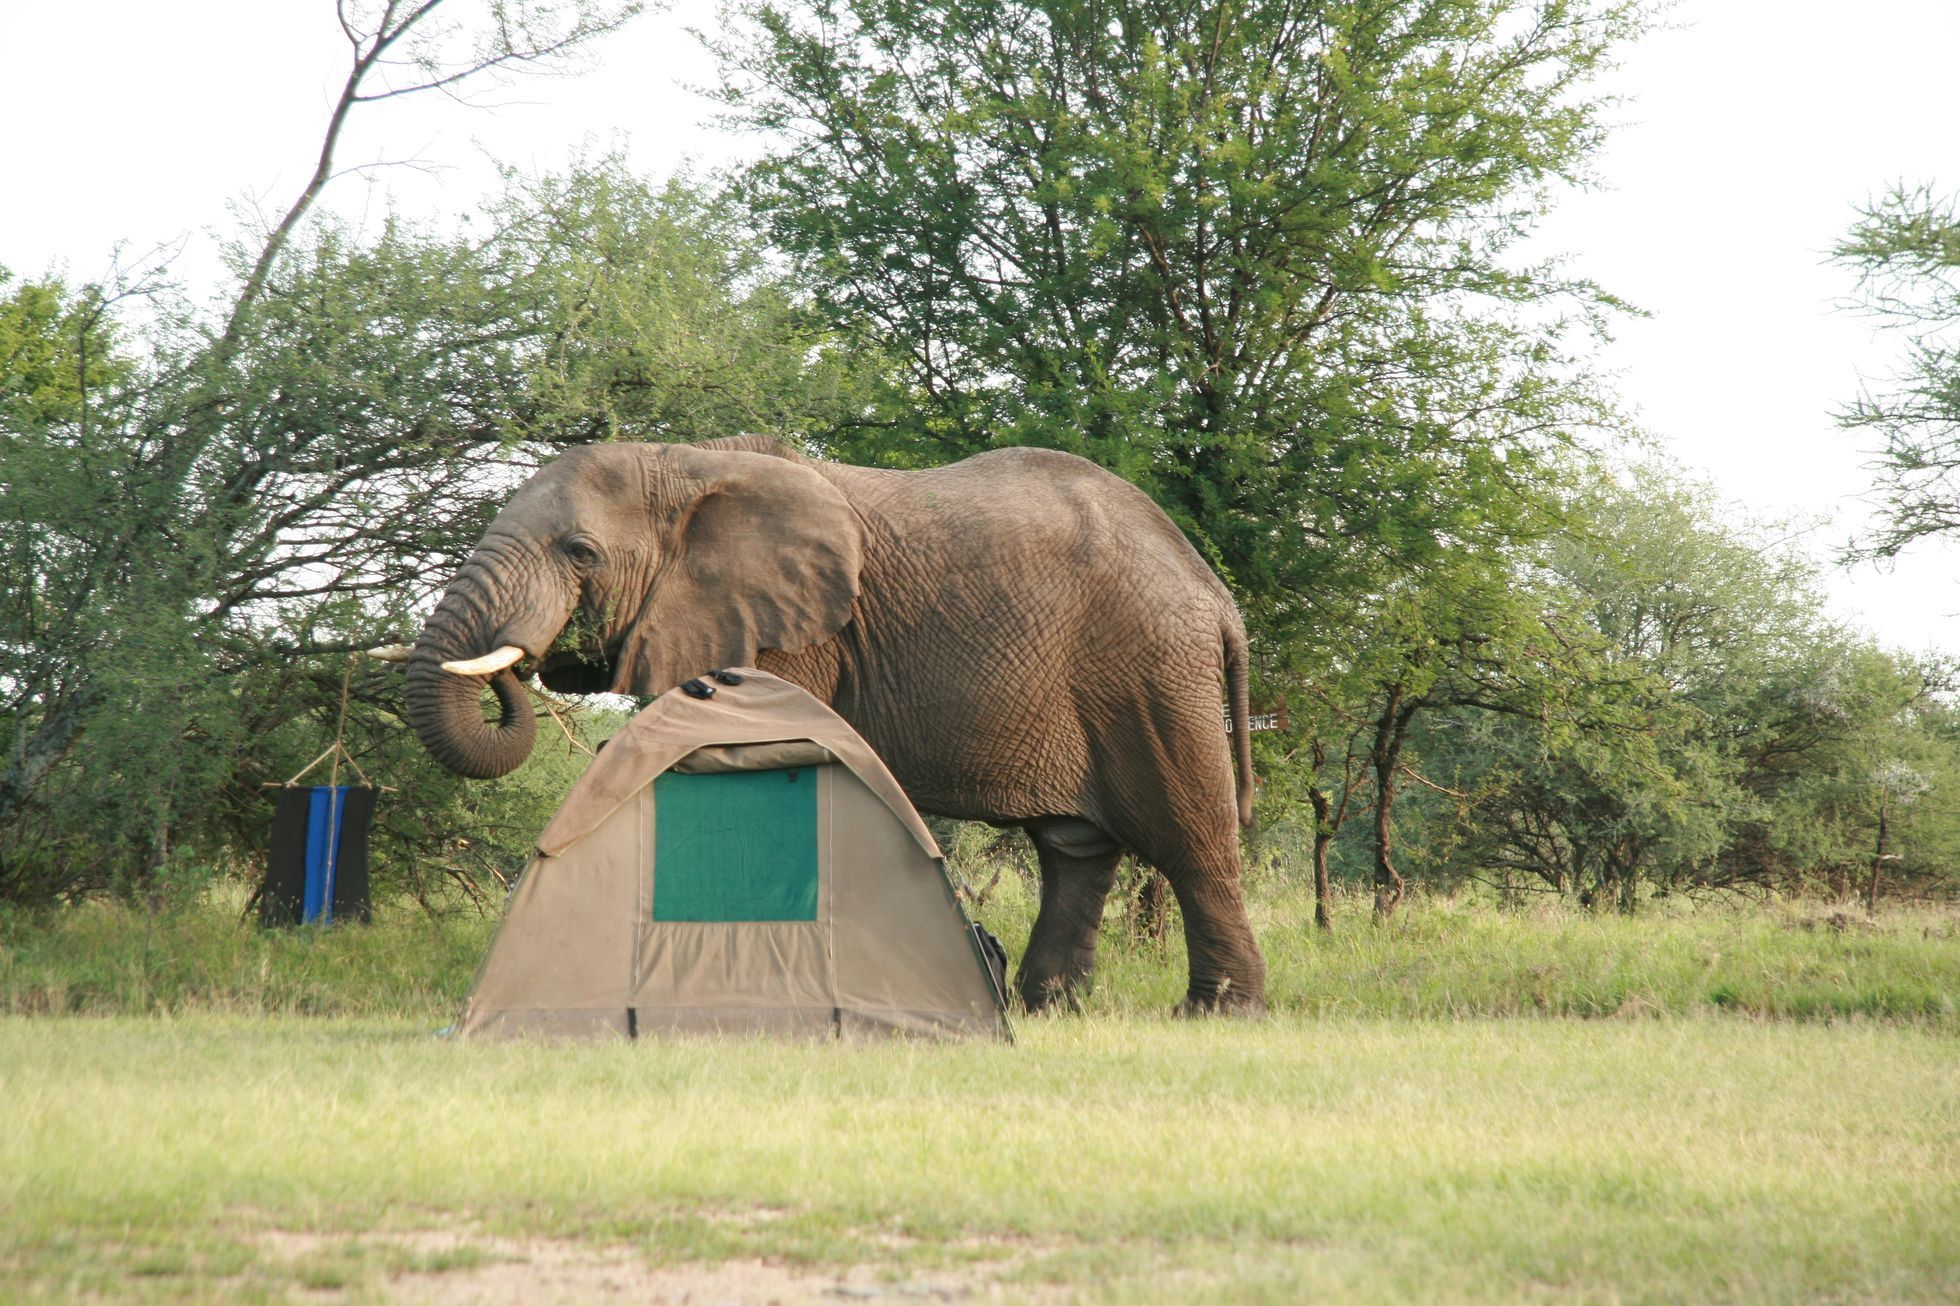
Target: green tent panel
736,846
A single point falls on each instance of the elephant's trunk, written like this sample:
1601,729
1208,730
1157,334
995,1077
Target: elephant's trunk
446,708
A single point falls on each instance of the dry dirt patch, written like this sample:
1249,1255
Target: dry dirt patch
453,1268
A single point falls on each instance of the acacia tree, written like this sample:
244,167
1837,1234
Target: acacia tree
1474,634
1715,699
60,360
187,491
381,394
1856,771
1905,249
1252,256
1326,764
198,535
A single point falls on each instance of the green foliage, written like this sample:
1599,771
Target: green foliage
65,500
1647,699
1647,781
195,538
662,319
56,348
1713,727
1251,257
1854,765
1470,635
1905,250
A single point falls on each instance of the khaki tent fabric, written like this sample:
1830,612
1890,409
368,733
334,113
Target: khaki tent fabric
762,709
585,951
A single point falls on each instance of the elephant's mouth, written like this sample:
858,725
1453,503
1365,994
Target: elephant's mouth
576,670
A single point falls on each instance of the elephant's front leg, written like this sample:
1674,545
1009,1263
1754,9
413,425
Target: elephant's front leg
1078,868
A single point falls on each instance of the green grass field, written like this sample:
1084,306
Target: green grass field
1464,1105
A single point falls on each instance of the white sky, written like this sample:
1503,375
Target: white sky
1752,129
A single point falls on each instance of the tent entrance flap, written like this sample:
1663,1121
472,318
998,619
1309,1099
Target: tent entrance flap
735,846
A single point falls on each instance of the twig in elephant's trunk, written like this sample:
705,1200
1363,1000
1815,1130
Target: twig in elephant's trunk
551,709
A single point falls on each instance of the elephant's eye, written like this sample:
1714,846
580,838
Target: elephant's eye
582,551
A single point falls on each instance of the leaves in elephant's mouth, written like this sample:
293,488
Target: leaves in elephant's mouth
581,641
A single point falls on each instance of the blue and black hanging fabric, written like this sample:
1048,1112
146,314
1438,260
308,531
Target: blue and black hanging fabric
317,872
317,867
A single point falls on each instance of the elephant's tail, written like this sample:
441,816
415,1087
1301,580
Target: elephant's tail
1238,696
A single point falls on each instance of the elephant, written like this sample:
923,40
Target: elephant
1025,638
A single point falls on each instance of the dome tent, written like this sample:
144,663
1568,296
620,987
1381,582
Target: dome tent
737,862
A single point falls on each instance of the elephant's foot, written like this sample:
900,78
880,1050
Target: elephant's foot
1078,867
1052,993
1221,999
1059,968
1228,975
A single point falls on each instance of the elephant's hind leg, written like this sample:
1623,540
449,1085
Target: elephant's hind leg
1227,972
1078,868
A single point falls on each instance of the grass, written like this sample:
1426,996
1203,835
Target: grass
1461,1105
1367,1159
1437,958
1444,959
105,958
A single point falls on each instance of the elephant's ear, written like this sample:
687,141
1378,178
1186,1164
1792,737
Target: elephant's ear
766,555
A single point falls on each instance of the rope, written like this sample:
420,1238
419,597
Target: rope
333,794
337,750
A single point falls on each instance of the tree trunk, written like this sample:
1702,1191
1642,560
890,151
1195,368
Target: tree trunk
1391,729
1323,836
158,859
1878,858
1389,884
36,756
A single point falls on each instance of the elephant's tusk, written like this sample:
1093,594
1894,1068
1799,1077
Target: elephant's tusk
487,665
390,653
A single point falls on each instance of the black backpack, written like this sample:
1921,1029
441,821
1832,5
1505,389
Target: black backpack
992,949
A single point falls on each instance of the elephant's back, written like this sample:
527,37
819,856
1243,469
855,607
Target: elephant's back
1022,507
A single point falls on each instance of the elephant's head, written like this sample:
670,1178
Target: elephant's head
630,568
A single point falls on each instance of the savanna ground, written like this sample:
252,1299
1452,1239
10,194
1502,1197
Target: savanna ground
1729,1102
